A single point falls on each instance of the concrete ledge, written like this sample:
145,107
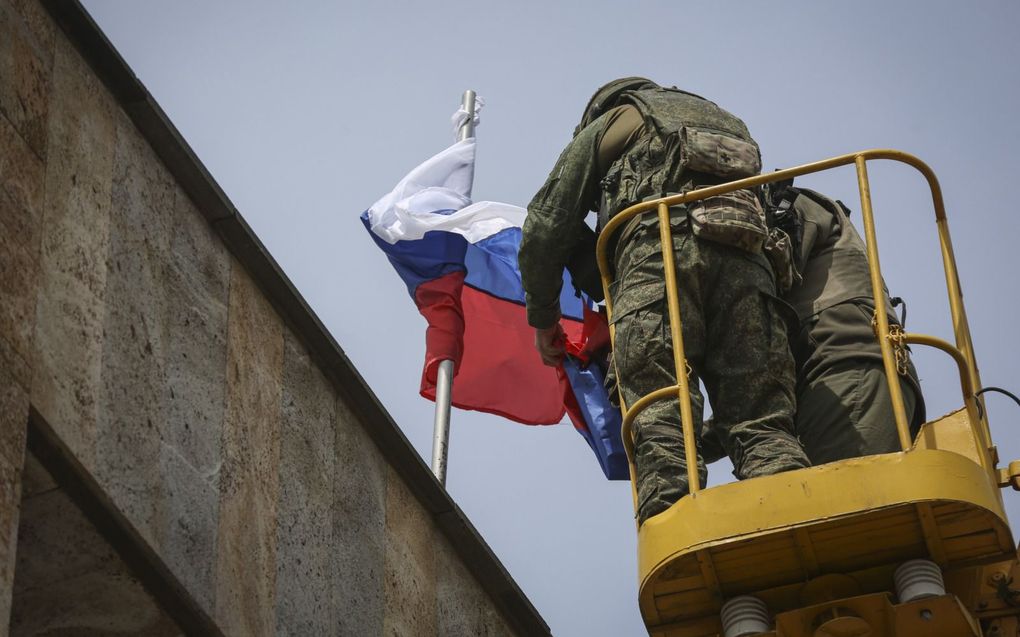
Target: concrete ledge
157,578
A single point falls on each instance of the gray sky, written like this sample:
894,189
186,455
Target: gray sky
306,112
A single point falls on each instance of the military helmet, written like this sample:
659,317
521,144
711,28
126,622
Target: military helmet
608,96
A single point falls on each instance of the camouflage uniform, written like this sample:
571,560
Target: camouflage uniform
844,407
733,334
735,341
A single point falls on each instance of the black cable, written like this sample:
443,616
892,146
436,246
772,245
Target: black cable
997,390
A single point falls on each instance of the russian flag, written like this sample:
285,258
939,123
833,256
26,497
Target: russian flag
459,262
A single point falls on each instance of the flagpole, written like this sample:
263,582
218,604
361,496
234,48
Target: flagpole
444,376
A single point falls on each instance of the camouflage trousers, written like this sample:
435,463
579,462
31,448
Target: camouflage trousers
736,343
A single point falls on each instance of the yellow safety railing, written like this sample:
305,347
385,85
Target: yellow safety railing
962,353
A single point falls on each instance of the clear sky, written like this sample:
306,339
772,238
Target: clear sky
307,111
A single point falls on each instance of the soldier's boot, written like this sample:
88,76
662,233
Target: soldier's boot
781,452
661,465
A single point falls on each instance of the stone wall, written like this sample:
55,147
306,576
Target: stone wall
136,325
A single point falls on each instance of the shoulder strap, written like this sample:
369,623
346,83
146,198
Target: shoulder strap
825,202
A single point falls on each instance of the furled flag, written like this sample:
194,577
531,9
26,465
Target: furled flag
459,262
586,399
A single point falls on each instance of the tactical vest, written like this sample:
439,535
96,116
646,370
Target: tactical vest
688,142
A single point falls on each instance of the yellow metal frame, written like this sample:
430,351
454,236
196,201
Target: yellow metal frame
937,500
768,538
962,352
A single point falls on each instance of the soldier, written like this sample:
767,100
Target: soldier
636,141
844,409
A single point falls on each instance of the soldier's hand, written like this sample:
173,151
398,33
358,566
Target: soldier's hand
551,344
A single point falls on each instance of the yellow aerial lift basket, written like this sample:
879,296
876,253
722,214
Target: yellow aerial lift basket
913,543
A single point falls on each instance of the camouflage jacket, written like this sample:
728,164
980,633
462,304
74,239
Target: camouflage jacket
831,257
672,142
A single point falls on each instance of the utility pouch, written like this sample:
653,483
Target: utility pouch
718,154
735,219
779,251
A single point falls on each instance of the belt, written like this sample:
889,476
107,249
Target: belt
677,220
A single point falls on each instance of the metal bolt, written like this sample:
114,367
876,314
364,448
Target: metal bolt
926,615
